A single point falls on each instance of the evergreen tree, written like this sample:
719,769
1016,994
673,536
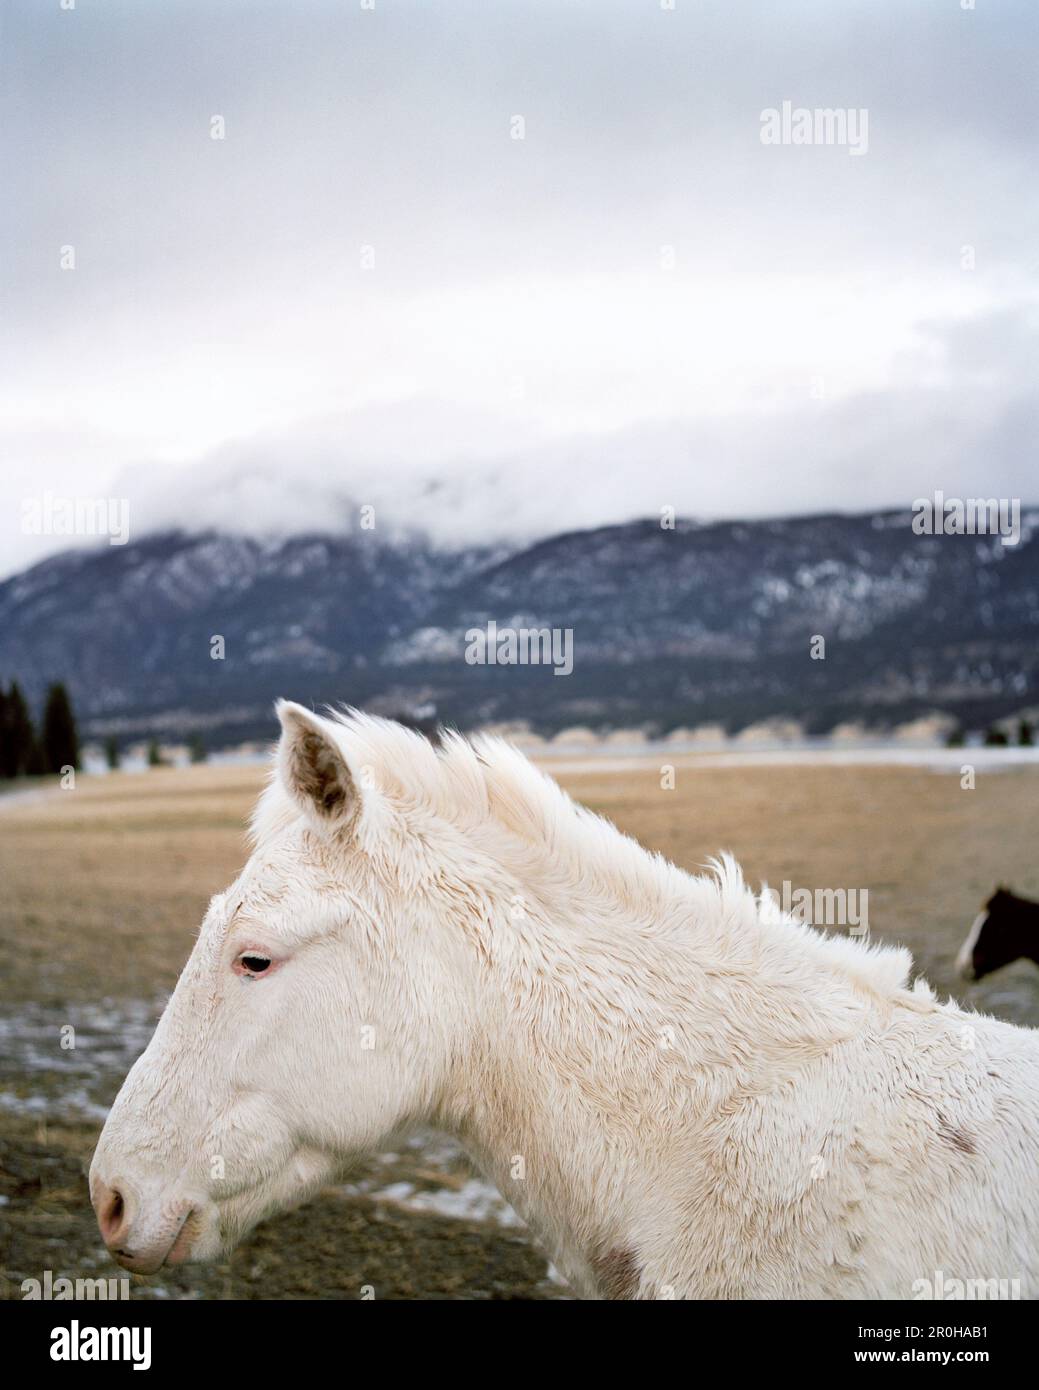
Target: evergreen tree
197,750
112,752
60,740
37,763
154,755
17,735
5,747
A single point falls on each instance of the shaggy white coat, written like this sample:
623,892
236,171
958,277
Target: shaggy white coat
685,1094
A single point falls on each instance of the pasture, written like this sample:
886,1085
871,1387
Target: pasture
102,888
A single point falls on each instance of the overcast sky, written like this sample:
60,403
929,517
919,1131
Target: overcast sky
638,304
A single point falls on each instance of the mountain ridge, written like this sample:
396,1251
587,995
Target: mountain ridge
705,622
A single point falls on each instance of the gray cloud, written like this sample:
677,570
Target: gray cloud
516,341
468,478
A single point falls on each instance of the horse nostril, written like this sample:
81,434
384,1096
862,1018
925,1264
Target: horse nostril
111,1212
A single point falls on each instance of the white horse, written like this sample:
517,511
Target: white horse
684,1093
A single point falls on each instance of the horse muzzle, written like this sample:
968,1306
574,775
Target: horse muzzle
143,1233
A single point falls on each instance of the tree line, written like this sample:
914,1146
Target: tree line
28,751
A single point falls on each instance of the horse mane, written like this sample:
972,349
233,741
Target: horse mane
484,784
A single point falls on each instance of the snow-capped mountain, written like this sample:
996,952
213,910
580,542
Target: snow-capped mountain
670,627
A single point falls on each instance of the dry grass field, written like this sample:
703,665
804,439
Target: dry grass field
102,888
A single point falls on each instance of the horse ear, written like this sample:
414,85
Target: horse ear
312,768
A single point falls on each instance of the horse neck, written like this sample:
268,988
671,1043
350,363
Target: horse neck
1027,918
535,1125
583,1017
584,1021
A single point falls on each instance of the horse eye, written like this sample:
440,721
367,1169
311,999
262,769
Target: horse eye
255,965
